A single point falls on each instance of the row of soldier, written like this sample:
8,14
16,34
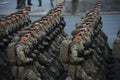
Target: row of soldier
34,53
87,52
11,24
9,27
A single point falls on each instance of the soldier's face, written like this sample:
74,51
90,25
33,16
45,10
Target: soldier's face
25,11
2,22
9,21
21,15
85,26
45,21
77,37
55,13
25,37
82,33
37,27
32,31
17,17
13,19
50,17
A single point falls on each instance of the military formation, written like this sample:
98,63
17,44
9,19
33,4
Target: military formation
86,54
9,26
41,50
32,50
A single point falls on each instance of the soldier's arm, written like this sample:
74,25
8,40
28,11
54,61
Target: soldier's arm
21,55
74,55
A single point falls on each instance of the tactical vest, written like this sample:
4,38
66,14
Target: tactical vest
74,71
11,53
64,50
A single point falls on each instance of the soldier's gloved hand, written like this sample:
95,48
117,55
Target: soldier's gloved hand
92,50
78,59
33,55
36,52
2,44
49,62
35,59
87,52
30,61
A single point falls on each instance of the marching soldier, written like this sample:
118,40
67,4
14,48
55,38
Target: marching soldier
20,4
74,60
40,3
20,62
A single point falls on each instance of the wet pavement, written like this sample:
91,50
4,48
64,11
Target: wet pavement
8,6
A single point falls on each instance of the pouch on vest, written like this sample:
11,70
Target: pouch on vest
64,50
11,53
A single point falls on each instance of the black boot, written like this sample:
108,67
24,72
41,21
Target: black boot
40,3
29,2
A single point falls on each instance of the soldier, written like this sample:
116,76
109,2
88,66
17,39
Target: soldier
29,2
3,33
20,62
21,21
74,60
40,3
5,72
15,24
46,61
20,4
51,3
25,14
10,27
74,5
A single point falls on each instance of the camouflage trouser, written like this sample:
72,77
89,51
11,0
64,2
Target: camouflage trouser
43,60
76,72
43,71
23,73
90,69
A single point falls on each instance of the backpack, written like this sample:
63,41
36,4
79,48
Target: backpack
73,70
64,49
11,53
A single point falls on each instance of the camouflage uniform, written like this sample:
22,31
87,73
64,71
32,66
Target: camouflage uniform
72,63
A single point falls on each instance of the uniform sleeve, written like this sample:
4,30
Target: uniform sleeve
74,52
21,55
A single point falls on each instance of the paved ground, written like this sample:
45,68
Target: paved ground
8,6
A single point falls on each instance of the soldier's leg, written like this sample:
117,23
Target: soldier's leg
32,67
43,60
30,75
18,4
43,72
74,5
89,69
22,4
83,74
51,3
29,2
40,3
94,58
